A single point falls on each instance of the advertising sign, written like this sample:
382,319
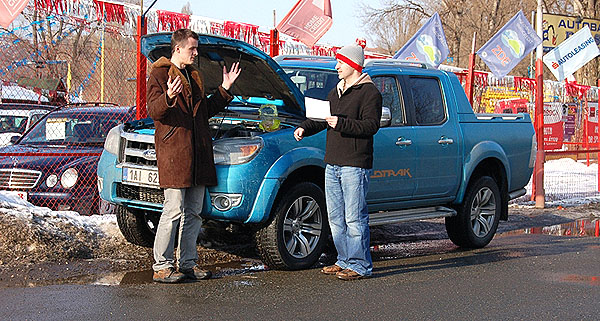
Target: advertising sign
572,54
553,126
558,28
592,124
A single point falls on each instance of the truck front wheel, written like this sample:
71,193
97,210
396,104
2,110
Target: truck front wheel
137,226
478,215
298,230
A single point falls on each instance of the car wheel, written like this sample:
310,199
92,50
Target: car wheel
478,215
298,230
138,227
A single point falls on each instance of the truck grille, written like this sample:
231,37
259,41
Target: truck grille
19,178
139,150
140,193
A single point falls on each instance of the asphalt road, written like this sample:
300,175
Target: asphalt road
536,277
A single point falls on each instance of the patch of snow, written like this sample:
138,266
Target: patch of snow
14,205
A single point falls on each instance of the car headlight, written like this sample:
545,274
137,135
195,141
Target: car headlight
69,178
113,140
51,180
234,151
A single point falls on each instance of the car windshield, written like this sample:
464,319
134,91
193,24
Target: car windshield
313,83
88,128
13,124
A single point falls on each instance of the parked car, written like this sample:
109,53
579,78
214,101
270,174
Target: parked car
433,157
16,119
54,163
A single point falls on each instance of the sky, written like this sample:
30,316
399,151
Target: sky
345,29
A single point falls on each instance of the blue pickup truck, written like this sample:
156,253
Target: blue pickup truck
433,156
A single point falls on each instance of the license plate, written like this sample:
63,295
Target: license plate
138,176
19,194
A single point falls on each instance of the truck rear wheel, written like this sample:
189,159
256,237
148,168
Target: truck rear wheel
138,227
478,215
298,230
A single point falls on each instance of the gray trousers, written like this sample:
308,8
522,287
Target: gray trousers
181,212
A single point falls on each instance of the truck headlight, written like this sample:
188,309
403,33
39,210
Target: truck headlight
234,151
113,140
69,178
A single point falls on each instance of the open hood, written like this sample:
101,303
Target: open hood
261,76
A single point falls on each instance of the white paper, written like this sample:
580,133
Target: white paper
317,109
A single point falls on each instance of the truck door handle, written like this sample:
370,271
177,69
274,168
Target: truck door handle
403,142
445,140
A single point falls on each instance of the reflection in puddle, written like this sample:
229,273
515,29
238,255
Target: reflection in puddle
583,279
219,270
582,228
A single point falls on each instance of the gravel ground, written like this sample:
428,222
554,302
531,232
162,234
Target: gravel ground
45,249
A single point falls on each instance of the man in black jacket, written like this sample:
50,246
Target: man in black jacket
355,106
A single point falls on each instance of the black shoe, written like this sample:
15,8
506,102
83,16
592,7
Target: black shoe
196,273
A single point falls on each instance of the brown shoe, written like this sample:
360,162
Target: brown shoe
331,270
349,275
196,273
168,275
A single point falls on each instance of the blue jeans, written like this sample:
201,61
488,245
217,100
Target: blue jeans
345,193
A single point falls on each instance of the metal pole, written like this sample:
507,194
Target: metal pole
470,83
140,101
538,171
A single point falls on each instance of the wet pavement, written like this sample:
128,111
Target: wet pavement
535,273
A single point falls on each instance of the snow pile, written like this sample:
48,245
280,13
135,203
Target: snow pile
567,183
35,234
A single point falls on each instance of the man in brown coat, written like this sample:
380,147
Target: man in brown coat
180,109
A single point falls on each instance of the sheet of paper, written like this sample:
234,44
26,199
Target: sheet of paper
316,109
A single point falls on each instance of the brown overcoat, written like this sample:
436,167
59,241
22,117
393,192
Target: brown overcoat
183,143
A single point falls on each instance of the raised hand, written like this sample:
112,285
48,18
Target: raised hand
174,87
230,77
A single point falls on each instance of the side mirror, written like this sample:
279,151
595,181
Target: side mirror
14,139
386,117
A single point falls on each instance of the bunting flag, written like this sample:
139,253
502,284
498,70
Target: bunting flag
112,12
427,45
571,54
171,21
509,45
308,21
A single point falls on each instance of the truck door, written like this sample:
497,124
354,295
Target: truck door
394,151
435,137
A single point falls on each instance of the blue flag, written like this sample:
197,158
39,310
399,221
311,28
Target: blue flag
509,45
427,45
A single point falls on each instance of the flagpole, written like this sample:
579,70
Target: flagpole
538,170
471,72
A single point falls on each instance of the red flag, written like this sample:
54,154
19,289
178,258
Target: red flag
308,21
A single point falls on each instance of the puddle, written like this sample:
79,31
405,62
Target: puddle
219,270
581,228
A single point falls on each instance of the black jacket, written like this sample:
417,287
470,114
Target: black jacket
358,109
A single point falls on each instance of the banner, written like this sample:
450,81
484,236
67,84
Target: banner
308,21
558,28
572,54
427,45
509,46
553,126
592,124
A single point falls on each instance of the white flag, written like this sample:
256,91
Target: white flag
572,54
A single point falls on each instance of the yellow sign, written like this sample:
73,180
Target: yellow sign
557,28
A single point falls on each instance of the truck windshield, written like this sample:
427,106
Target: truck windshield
313,83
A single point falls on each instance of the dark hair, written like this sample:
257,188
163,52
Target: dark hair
180,36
